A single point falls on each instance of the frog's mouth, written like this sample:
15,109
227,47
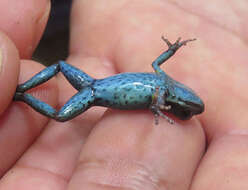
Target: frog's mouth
185,111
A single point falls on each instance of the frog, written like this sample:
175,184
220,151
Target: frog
155,91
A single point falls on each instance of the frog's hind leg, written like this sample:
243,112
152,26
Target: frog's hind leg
39,78
76,77
79,103
36,104
76,105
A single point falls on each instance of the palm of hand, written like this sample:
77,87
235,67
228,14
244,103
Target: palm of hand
126,37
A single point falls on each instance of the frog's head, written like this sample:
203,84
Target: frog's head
183,102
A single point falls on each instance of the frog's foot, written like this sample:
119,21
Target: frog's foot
177,44
163,107
156,110
171,121
158,104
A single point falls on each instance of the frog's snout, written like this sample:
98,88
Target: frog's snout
197,108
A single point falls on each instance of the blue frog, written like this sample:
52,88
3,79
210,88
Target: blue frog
155,91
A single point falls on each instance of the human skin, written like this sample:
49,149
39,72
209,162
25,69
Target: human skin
124,149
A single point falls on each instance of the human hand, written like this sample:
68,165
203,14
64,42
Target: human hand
125,149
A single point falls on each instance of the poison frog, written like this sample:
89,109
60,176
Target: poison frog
130,91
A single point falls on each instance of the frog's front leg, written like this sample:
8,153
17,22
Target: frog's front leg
158,104
172,48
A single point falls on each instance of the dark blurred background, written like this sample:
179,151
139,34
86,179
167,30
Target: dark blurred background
54,43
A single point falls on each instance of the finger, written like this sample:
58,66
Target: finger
87,49
9,71
126,151
20,125
225,165
28,18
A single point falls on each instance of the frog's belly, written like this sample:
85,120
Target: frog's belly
134,95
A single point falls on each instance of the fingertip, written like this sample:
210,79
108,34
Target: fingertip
19,123
25,23
9,71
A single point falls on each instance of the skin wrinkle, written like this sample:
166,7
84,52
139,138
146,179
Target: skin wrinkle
1,59
57,175
214,23
32,180
133,175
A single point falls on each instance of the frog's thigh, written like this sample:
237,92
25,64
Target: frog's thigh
79,103
76,77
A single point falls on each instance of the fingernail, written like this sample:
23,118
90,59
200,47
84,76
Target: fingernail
1,60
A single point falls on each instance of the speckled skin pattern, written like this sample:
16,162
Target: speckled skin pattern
155,91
